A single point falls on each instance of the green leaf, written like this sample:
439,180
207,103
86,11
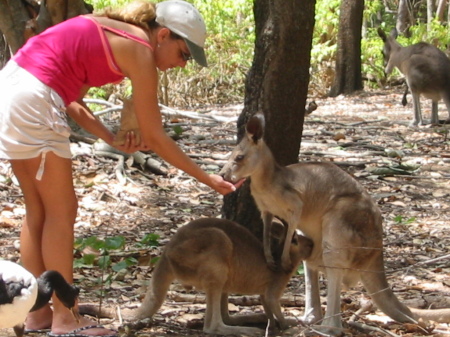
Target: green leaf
119,266
93,242
116,242
150,240
88,259
124,264
178,130
300,270
104,261
399,219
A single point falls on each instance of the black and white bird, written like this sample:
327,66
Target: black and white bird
21,292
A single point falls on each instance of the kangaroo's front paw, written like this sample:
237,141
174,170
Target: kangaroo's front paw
273,266
271,263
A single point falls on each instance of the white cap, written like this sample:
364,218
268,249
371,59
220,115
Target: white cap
184,20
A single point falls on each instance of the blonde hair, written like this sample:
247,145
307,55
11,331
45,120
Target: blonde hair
140,13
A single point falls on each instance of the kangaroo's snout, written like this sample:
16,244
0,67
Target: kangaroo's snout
228,172
225,172
222,172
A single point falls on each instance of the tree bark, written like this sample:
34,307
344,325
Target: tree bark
440,11
277,85
18,22
403,18
348,77
13,19
430,13
4,54
53,12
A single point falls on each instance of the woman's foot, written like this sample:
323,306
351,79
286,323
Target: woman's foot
67,326
40,319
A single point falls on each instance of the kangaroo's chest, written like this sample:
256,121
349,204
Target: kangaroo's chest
283,203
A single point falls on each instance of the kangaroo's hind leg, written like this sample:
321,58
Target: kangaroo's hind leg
213,262
214,323
417,109
313,309
446,97
336,256
244,319
272,307
434,113
351,233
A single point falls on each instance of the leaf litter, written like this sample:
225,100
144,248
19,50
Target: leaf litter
406,170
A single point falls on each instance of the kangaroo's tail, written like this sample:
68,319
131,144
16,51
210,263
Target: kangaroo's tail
162,277
374,280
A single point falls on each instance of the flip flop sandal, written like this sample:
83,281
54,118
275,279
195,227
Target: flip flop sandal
79,332
35,331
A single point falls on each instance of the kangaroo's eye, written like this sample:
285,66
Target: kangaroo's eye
239,158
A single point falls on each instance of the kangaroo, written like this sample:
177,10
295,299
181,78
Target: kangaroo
220,257
426,69
128,122
332,209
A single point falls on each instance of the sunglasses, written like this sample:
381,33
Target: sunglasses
186,57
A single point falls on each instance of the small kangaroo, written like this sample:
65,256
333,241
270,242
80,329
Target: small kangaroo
426,69
128,122
332,209
220,257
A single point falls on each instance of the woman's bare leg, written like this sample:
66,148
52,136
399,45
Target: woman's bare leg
48,232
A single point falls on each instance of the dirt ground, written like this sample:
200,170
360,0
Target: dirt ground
405,169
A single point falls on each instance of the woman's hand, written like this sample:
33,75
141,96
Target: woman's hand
130,145
222,186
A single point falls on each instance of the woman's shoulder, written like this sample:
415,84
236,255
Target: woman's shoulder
114,24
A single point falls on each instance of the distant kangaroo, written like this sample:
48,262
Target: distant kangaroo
332,209
220,257
426,69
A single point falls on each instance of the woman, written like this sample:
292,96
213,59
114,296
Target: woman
48,79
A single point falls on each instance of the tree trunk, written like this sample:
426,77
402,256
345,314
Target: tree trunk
403,18
448,14
4,51
430,13
13,19
440,11
53,12
18,22
348,77
277,85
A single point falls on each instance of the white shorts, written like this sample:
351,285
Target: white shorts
32,117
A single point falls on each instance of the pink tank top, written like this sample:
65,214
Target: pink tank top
73,54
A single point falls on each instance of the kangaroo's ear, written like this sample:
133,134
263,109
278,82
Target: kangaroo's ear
382,34
255,127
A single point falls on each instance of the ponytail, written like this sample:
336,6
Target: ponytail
140,13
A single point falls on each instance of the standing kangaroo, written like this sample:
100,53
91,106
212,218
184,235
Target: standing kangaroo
332,209
426,69
221,257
